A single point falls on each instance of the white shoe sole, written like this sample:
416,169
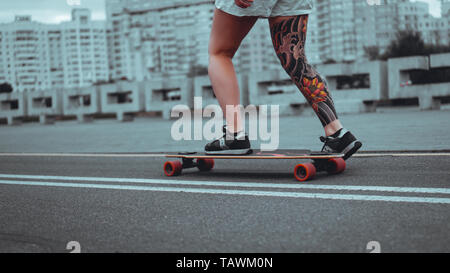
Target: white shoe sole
229,152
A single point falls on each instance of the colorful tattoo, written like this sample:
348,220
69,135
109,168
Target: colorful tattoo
288,38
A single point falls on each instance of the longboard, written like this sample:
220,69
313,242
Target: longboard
329,162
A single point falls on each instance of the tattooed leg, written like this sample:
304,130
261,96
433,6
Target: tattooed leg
288,38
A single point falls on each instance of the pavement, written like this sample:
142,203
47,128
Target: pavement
95,184
394,130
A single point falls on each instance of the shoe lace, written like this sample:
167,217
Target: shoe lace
325,147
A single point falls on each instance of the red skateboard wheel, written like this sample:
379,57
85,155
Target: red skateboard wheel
303,172
173,168
205,164
335,165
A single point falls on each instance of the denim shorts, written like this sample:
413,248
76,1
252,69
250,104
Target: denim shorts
267,8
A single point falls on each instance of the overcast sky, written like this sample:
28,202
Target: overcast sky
55,11
48,11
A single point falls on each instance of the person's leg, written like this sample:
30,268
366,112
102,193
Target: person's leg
288,37
227,33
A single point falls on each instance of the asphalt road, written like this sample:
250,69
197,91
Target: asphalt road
124,203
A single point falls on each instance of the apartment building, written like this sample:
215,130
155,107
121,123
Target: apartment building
155,38
445,7
256,52
379,24
434,30
24,54
347,27
36,56
83,50
445,14
336,33
150,39
312,39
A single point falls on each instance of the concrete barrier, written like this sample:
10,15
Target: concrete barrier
163,94
81,102
401,87
45,104
122,98
356,99
13,107
382,81
274,87
440,60
203,88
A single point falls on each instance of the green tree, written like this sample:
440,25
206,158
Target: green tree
436,49
407,43
372,53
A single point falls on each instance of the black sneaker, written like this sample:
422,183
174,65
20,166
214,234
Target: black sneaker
234,144
341,142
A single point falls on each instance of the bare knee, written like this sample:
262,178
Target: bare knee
222,52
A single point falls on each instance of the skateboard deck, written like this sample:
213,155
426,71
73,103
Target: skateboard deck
321,161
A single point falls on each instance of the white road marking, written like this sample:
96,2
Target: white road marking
394,154
353,197
232,184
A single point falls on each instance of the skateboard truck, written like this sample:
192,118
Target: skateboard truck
174,168
306,171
